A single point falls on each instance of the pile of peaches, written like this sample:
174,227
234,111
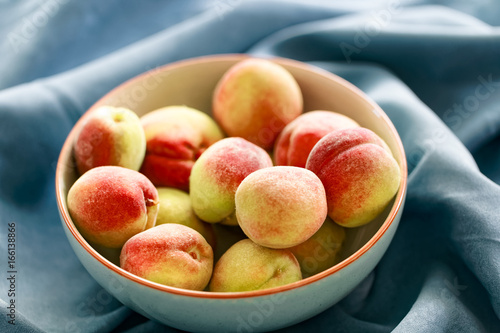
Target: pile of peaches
155,187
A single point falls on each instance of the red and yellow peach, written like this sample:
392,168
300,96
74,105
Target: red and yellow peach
110,204
248,266
170,254
217,174
281,206
110,136
175,207
175,137
359,173
298,138
255,99
320,252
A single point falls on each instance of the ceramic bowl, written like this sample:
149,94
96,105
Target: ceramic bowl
191,82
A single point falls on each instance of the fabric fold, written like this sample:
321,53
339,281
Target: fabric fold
432,68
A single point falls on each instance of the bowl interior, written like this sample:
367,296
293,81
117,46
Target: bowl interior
192,82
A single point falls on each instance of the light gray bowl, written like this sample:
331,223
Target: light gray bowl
191,82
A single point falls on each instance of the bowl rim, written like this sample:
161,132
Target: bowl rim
397,205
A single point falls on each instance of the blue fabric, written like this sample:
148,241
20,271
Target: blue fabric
433,66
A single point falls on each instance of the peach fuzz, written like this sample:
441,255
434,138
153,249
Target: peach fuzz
255,99
110,204
298,138
170,254
248,266
217,174
359,173
175,207
281,206
175,137
110,136
320,252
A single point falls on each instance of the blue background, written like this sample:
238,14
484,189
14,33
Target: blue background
433,66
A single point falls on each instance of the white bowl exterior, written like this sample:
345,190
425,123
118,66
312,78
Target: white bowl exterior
191,84
254,314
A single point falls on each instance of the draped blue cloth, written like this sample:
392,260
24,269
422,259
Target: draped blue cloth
433,66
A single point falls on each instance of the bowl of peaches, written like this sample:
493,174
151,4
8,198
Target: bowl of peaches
231,193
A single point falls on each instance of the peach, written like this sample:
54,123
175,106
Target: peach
230,220
359,173
175,137
110,136
281,206
110,204
255,99
320,252
248,266
170,254
217,174
298,138
175,207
